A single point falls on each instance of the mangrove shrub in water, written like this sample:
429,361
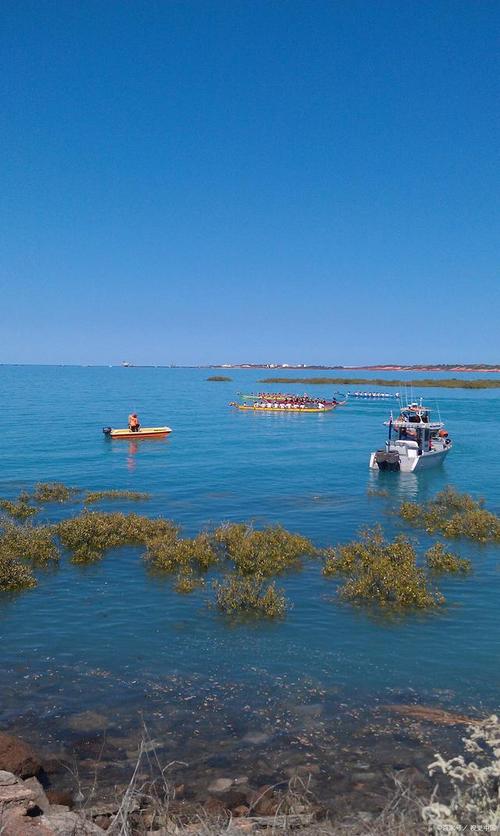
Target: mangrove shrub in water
454,514
441,561
186,580
53,492
268,552
171,553
381,572
20,545
14,575
89,535
374,570
237,595
28,542
18,510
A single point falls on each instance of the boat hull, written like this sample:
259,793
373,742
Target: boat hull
434,458
282,409
144,432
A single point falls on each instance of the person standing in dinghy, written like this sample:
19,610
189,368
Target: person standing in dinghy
133,423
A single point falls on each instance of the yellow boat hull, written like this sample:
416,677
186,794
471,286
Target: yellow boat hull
144,432
282,409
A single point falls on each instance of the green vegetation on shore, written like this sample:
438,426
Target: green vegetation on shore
446,383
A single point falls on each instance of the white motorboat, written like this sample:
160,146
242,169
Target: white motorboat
414,443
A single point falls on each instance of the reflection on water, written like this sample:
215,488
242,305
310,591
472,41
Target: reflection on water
133,448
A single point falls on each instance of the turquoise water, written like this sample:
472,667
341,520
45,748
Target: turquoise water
110,638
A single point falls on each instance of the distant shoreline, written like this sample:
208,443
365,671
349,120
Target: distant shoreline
445,383
480,368
440,367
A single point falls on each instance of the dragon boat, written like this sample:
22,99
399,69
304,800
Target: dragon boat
284,407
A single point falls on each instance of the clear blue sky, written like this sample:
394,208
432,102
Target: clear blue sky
249,180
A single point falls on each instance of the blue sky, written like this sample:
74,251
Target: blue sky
226,181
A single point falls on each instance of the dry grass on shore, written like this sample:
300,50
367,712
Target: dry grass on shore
148,806
470,802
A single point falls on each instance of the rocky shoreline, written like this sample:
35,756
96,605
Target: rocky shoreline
69,793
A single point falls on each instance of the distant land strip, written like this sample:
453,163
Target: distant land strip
446,383
451,368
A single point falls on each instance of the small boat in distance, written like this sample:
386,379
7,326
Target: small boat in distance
143,432
419,442
373,395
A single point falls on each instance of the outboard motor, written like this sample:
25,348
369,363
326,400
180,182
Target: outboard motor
106,430
387,460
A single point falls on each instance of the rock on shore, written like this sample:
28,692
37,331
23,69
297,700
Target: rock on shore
26,811
18,757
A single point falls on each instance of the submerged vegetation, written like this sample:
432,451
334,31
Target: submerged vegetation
381,572
90,534
236,595
171,554
219,378
374,571
132,496
441,561
20,546
28,542
53,492
14,575
445,383
453,514
18,510
268,552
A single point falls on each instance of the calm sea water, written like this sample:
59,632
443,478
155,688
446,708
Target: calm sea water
100,637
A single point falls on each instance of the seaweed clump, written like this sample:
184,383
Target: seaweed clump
14,575
219,378
29,542
18,509
266,553
187,581
441,561
131,496
89,535
454,514
171,553
381,572
20,543
238,595
53,492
